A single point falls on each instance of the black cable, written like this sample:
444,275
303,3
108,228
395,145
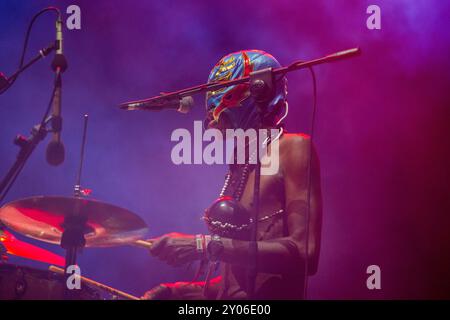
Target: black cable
25,44
308,200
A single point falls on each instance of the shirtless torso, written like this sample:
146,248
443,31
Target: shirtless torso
286,190
282,238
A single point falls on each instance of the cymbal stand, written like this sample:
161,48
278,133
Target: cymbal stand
75,224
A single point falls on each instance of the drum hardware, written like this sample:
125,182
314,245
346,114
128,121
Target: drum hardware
3,252
25,283
74,222
21,285
99,285
74,226
41,218
12,245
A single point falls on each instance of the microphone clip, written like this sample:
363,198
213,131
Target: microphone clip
262,85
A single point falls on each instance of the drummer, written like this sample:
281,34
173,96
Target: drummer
288,237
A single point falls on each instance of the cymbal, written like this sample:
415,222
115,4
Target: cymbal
42,217
26,250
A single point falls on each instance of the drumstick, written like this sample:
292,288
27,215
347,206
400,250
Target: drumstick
143,243
98,285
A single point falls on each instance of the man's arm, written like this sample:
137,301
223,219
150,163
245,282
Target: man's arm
281,254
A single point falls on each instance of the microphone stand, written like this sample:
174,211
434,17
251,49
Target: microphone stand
214,86
27,146
74,225
38,133
262,89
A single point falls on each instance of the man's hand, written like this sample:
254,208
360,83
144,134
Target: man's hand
181,291
160,292
175,248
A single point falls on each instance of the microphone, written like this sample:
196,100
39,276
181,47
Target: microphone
59,63
180,104
55,149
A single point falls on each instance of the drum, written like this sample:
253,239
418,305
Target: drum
25,283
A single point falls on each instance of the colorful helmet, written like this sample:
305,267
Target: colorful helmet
233,107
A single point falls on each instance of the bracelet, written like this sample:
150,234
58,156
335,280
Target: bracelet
201,242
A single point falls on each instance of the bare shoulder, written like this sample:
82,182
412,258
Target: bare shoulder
294,143
294,151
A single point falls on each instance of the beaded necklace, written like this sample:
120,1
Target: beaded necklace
236,180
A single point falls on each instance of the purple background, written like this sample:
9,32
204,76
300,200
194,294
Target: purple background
382,127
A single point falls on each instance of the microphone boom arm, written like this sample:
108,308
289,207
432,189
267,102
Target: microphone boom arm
212,86
42,54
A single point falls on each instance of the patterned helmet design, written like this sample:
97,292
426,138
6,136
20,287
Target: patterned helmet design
233,107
